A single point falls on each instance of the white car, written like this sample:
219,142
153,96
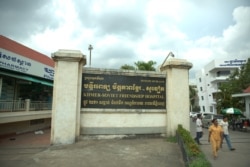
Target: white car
193,114
207,120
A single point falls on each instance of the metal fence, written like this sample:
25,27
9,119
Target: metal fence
23,105
183,150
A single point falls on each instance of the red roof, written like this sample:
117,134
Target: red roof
247,90
22,50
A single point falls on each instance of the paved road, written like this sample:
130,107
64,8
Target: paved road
30,150
238,158
142,152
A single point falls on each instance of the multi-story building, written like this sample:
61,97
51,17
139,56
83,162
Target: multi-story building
209,79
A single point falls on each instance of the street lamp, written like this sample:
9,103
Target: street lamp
90,48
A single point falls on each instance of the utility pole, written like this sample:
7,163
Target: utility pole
90,48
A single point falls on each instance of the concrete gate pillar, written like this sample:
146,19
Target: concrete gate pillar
65,125
177,97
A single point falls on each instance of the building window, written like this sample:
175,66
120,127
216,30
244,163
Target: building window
202,98
203,108
200,79
211,109
200,88
223,73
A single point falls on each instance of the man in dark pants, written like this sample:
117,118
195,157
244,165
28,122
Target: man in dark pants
199,131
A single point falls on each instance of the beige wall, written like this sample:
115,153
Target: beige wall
123,122
24,126
69,120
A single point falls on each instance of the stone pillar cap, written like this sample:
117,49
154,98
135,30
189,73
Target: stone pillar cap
68,55
175,63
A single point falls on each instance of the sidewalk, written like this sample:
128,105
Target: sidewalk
26,140
238,158
28,150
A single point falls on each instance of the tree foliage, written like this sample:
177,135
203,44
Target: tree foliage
145,66
192,96
244,75
236,83
127,67
140,65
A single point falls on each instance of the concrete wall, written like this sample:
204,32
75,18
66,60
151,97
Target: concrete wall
10,117
24,126
69,121
123,122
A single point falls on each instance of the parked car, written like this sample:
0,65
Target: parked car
207,119
193,114
206,113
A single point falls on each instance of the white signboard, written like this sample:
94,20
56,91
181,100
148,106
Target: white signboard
233,63
15,62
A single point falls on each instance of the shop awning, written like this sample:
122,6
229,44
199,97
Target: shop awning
27,78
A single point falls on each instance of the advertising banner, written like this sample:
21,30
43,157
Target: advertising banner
18,63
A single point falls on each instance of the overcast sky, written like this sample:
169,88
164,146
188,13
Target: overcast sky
126,31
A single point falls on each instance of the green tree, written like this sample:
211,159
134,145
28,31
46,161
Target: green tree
224,97
236,83
145,66
244,75
127,67
140,65
192,97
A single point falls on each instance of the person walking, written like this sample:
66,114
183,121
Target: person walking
224,125
199,132
215,137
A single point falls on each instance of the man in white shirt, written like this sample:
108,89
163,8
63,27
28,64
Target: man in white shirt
199,132
224,125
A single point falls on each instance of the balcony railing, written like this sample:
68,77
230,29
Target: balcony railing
24,105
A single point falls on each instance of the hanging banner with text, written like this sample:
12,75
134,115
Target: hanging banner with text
123,92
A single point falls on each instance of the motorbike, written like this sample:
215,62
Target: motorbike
242,124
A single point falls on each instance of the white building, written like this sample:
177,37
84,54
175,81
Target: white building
209,79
